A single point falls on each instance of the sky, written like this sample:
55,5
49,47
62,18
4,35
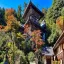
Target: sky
14,3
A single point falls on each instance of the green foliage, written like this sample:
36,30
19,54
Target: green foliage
15,45
31,56
4,37
25,5
19,12
22,57
23,43
55,11
62,11
15,26
2,54
26,46
22,21
9,45
2,19
55,32
45,12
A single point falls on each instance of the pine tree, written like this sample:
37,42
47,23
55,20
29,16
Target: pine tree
62,12
25,5
52,14
2,19
19,13
55,11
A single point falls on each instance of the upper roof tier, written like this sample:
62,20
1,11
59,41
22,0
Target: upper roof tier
31,9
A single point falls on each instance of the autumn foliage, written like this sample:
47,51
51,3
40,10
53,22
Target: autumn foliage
27,28
35,35
1,27
10,19
60,21
36,38
8,12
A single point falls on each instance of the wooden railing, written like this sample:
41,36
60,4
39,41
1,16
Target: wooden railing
56,62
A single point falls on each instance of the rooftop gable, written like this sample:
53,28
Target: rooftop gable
31,5
58,42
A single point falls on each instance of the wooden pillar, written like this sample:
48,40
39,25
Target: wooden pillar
63,57
51,60
44,59
63,54
63,23
36,60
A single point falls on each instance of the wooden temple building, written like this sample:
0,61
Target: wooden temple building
32,15
59,45
59,49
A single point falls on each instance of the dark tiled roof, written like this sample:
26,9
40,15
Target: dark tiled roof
34,7
47,51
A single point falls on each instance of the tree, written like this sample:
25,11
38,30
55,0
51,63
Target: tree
8,13
44,11
2,14
36,38
55,11
55,33
62,12
3,41
25,5
31,56
11,21
19,13
60,22
26,28
24,43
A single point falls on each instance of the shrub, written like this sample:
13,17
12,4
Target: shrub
31,56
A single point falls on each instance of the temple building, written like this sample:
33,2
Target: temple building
59,45
32,15
59,49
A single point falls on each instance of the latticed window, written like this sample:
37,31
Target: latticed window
33,18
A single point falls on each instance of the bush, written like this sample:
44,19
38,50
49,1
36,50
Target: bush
31,56
21,56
